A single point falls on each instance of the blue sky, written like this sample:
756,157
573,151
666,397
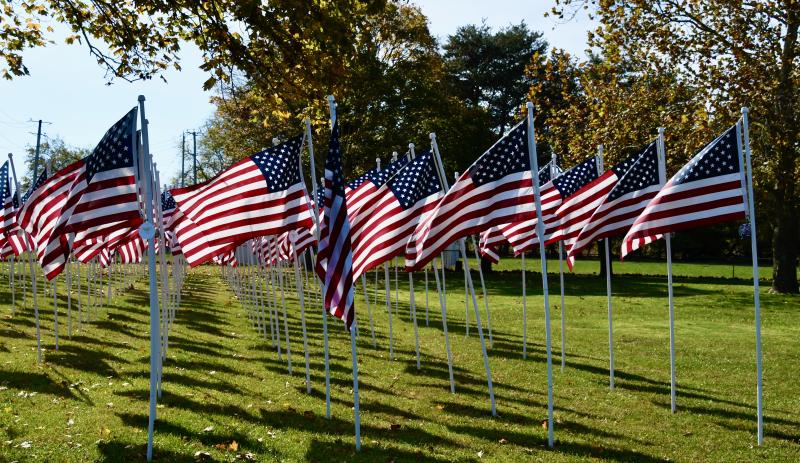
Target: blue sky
68,89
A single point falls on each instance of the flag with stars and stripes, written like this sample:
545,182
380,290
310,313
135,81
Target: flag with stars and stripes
406,199
168,209
192,242
104,196
18,239
709,189
575,211
8,221
496,189
334,251
41,216
260,195
131,248
360,193
620,208
92,197
520,235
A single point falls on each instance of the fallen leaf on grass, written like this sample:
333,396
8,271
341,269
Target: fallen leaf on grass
202,456
208,429
104,431
232,446
503,441
544,424
480,454
246,456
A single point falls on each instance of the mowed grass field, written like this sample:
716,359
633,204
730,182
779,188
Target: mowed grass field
226,392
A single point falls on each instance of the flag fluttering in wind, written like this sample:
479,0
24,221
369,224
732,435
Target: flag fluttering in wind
623,204
334,254
131,248
360,193
405,200
496,189
260,195
575,211
709,189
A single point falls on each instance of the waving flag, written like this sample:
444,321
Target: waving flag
41,217
624,203
104,197
260,195
168,210
360,192
406,199
334,254
521,235
707,190
574,212
131,248
496,189
18,240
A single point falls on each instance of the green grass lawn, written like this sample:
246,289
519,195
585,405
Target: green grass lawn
224,383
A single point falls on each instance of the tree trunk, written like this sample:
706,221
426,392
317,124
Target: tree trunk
486,265
784,195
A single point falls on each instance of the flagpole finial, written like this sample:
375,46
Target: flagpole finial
432,136
745,110
529,105
661,131
411,146
141,98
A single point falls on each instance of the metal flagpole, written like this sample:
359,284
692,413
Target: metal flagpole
608,288
483,288
469,283
285,321
356,405
11,266
412,304
302,318
147,231
554,174
540,231
55,308
754,250
315,210
443,305
524,311
662,177
427,303
69,296
388,291
369,310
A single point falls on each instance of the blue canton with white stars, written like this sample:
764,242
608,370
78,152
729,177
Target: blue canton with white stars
642,174
509,155
720,157
572,180
116,149
5,181
167,201
39,182
416,181
333,163
379,177
280,165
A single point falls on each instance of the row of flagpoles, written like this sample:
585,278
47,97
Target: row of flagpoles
257,215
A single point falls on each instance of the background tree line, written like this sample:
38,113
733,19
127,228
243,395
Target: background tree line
685,65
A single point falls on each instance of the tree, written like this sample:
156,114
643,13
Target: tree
730,54
53,151
487,70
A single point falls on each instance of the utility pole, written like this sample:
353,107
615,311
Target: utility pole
183,159
36,156
194,142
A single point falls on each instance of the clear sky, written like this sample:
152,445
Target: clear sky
68,89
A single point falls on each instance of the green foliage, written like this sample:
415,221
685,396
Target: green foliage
53,152
487,69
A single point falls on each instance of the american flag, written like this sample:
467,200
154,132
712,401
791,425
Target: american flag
575,211
168,209
131,248
18,240
360,192
92,247
617,212
41,217
496,189
192,242
334,254
104,196
709,189
406,199
258,196
520,235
